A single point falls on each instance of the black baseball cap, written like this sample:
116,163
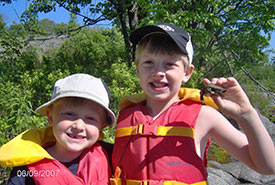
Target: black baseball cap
181,37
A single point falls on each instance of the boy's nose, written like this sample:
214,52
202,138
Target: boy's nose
158,71
78,124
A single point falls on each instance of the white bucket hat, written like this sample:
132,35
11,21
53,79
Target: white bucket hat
82,86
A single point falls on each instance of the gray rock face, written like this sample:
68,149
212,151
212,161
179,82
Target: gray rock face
236,173
269,126
46,43
218,176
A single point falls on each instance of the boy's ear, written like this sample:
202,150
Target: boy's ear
50,118
188,73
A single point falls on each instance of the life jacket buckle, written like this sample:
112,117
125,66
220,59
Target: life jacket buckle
151,182
147,129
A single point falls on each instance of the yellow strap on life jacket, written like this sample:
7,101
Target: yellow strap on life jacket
155,130
117,181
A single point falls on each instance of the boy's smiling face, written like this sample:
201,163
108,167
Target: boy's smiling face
161,75
76,126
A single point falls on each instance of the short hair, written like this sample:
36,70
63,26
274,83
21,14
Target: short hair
160,42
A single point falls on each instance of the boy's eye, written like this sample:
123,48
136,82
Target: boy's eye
148,62
90,119
68,113
93,121
171,64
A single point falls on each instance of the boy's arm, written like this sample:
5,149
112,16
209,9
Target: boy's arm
255,148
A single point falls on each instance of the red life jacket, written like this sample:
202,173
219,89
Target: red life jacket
160,151
93,169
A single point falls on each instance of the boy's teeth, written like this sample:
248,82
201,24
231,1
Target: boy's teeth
79,137
75,136
159,85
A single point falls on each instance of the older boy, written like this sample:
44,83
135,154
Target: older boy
67,151
161,137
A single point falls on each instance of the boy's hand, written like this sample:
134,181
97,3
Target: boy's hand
235,102
255,148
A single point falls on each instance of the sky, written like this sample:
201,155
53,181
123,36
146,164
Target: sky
11,13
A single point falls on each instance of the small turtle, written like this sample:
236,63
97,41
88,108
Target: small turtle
212,89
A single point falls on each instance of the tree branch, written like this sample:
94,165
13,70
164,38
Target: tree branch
228,63
259,84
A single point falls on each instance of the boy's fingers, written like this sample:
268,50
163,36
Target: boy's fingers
206,81
232,81
214,80
218,100
221,81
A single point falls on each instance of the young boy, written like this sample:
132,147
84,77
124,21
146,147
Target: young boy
67,151
161,136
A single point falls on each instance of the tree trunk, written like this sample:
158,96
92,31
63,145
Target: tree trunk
121,13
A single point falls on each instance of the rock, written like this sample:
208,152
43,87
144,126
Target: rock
268,125
234,168
48,43
252,176
236,173
220,177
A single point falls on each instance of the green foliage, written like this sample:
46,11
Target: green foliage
72,24
61,28
14,64
271,114
196,80
16,111
4,171
220,30
90,51
261,101
123,81
45,27
265,74
216,153
9,43
17,30
260,98
2,23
